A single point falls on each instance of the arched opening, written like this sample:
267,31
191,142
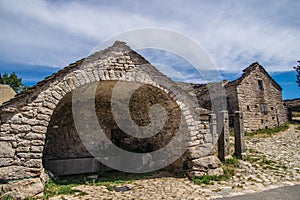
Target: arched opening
64,152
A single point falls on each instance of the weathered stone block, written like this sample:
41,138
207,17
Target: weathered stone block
6,150
6,162
35,163
37,142
8,138
23,149
23,189
43,117
215,172
20,128
34,136
30,155
207,162
193,174
36,148
24,143
4,127
45,111
49,105
39,129
16,172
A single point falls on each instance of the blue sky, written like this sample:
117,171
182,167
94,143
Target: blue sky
40,37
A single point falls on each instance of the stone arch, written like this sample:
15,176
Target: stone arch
64,148
25,119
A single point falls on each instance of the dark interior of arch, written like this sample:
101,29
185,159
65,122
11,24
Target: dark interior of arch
64,153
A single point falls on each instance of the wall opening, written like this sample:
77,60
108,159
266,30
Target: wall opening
65,154
260,84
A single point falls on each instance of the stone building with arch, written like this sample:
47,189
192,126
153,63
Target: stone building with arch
38,132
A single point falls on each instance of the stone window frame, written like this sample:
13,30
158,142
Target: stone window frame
260,84
264,108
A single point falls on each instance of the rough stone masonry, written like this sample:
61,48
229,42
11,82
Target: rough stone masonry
31,121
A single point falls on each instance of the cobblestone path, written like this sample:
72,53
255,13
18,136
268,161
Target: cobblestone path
271,162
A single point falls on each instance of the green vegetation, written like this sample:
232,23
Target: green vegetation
228,168
295,114
298,127
6,198
269,131
261,160
53,189
206,179
13,81
65,185
232,162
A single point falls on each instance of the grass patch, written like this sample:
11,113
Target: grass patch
64,185
269,131
232,161
298,127
228,168
206,179
264,163
52,189
252,159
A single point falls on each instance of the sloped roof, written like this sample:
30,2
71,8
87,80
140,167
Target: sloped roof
6,93
118,46
251,68
292,103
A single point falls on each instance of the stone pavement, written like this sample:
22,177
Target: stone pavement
272,162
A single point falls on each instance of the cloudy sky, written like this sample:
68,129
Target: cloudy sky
39,37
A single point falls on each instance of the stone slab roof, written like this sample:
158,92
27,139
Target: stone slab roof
251,68
118,46
6,93
292,103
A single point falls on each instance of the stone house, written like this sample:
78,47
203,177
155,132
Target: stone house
256,94
6,93
52,124
292,105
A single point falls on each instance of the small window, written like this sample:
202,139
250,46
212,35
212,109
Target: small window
264,108
256,106
248,107
272,108
260,85
262,121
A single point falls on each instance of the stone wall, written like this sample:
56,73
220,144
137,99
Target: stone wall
32,116
261,107
244,95
292,105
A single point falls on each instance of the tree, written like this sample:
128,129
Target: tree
13,81
297,68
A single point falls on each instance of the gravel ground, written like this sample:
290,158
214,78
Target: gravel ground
271,162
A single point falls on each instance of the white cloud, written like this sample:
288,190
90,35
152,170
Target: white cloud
235,34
